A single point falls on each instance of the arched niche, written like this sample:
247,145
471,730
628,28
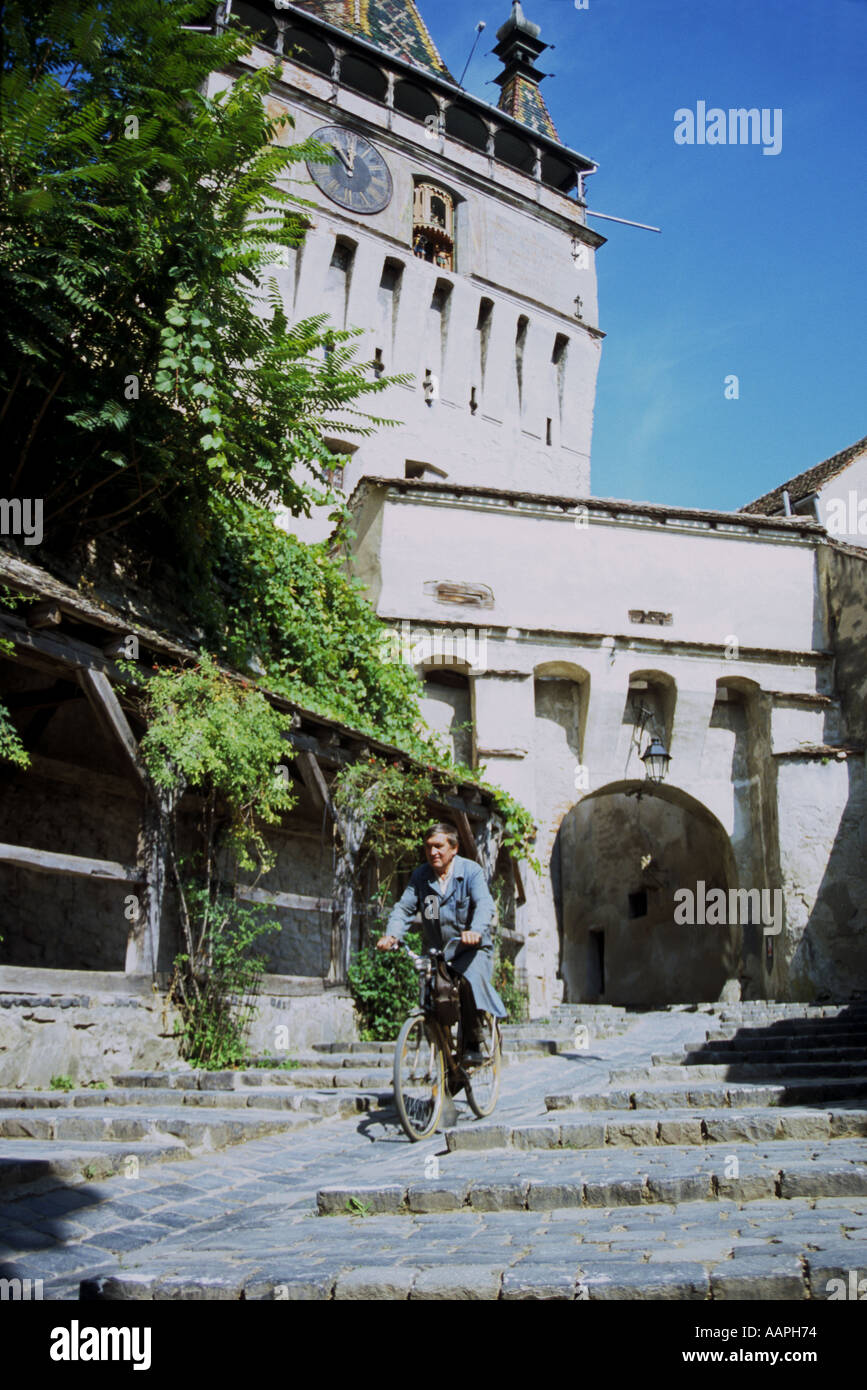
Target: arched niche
447,701
561,692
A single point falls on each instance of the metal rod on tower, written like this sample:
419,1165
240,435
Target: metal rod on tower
479,27
625,220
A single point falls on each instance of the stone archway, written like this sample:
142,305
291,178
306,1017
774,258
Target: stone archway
620,856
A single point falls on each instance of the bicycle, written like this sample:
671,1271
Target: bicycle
429,1060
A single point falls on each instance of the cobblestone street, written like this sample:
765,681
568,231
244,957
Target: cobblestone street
529,1215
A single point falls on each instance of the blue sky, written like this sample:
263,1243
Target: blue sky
760,268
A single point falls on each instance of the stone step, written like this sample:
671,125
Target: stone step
673,1097
327,1060
796,1023
760,1057
212,1129
551,1181
614,1011
824,1036
572,1272
323,1105
321,1078
628,1129
738,1071
24,1162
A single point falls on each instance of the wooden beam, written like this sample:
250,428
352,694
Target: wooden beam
98,689
468,844
143,939
48,862
315,783
67,651
46,614
450,803
521,897
296,902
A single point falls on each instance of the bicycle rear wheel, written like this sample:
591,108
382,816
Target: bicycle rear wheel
483,1082
419,1083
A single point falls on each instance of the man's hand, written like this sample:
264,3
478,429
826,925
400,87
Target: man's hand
471,938
386,943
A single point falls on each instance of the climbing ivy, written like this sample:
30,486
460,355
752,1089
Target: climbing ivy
216,736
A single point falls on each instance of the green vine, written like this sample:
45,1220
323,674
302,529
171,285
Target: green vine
12,749
217,737
393,804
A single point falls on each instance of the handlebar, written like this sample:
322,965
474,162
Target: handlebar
421,963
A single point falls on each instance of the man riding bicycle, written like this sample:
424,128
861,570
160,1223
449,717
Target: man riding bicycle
457,912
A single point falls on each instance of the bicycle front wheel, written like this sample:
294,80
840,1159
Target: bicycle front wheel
419,1082
483,1082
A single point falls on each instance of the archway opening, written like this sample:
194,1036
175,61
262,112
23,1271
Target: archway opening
637,870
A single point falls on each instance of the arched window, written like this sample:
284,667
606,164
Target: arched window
363,77
433,225
414,101
511,149
463,125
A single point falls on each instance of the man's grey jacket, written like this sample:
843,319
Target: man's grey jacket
466,905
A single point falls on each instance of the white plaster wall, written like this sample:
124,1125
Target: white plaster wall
514,245
849,488
823,852
547,573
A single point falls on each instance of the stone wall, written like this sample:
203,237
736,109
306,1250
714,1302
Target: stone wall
86,1025
92,1025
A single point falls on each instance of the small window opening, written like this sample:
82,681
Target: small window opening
548,431
638,903
561,342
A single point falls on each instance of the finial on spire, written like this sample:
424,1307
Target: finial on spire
518,20
519,47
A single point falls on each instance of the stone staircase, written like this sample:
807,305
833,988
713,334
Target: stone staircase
150,1117
571,1028
734,1169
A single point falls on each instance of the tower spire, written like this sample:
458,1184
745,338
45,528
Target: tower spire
519,47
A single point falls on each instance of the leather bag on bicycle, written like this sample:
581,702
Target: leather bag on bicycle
446,995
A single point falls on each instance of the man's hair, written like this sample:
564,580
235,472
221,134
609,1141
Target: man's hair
443,827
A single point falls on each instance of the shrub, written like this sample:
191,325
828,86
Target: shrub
385,989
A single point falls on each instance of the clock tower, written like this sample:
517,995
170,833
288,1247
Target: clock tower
453,233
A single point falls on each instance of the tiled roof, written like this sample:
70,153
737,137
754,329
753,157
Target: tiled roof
522,99
393,25
806,483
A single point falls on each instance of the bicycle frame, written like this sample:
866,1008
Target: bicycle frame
426,965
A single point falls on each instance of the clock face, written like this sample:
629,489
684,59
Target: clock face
359,179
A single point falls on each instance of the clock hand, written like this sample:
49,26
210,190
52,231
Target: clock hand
341,155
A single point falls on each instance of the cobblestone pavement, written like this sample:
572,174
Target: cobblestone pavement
245,1222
